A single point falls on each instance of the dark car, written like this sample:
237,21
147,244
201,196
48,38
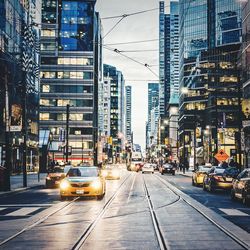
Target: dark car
241,187
167,169
219,178
54,177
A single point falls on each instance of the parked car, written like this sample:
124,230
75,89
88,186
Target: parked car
241,187
54,177
219,178
198,175
167,169
147,168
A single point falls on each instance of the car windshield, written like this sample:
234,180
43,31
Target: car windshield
56,170
167,166
83,172
204,169
219,170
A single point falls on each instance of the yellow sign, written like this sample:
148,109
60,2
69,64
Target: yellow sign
110,140
166,141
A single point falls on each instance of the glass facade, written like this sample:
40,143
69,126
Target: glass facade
210,36
19,63
69,63
245,66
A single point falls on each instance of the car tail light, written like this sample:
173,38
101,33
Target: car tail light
218,178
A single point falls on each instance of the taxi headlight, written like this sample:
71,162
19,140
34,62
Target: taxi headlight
48,178
104,173
116,174
96,184
64,184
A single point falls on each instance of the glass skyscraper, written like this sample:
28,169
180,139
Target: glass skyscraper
128,108
70,74
210,37
19,88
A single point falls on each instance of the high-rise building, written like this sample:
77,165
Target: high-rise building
210,37
245,66
128,113
153,112
19,87
70,75
117,106
162,57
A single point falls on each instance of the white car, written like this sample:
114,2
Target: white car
147,168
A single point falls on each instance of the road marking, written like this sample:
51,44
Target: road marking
233,212
23,211
26,205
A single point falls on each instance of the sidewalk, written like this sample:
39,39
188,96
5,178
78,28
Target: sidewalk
33,180
188,173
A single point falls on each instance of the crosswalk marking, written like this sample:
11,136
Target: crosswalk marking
23,211
233,212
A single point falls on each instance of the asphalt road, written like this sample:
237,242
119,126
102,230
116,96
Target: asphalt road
219,201
139,211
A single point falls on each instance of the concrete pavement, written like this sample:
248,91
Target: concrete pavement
33,180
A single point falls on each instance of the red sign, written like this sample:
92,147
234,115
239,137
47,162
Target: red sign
221,156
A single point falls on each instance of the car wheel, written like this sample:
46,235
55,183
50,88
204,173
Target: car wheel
193,184
210,188
204,186
161,173
63,198
233,198
142,172
245,200
100,197
173,173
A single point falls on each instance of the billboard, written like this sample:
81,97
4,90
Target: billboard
16,118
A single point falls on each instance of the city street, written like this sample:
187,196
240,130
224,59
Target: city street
139,211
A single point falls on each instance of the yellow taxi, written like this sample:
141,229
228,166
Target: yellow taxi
111,173
199,174
83,181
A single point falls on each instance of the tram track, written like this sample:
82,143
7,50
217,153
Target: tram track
230,234
159,235
84,235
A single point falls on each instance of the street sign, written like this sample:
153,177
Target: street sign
221,156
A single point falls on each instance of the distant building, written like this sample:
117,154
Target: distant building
115,79
128,108
153,112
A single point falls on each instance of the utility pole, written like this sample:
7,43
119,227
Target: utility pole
82,149
239,124
24,118
7,135
67,133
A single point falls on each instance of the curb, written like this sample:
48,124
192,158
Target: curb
19,190
185,175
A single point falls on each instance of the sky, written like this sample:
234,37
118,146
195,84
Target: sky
134,28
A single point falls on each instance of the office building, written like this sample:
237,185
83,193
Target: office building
209,79
128,108
71,70
245,67
153,113
19,85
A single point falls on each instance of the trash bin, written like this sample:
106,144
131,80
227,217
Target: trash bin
2,175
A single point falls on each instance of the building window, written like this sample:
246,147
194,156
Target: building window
44,116
48,33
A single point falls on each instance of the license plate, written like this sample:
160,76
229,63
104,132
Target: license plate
79,191
229,179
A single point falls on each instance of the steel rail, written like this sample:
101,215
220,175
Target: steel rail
158,232
93,224
220,227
